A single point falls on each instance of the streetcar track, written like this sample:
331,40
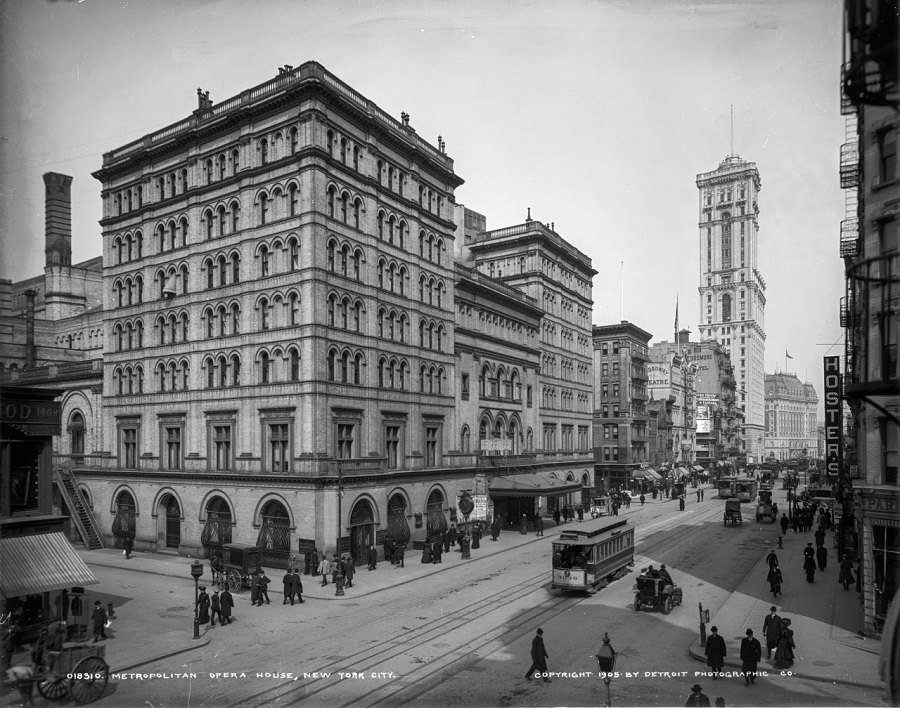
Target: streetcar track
435,668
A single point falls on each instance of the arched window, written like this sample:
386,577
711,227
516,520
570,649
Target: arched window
295,365
265,367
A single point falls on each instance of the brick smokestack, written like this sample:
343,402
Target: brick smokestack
58,212
29,329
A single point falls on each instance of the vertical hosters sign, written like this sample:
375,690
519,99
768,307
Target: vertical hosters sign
834,438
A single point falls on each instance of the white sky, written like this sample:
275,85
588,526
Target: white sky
597,114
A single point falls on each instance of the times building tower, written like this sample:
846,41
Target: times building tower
732,290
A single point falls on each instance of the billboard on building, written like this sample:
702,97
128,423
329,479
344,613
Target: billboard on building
659,375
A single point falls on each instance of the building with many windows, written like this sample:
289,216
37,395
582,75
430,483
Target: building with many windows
732,289
866,482
672,378
791,418
296,352
621,394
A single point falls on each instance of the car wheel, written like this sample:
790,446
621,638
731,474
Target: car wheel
637,603
667,606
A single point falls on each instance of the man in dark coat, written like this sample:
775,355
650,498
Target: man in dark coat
447,541
846,572
437,550
538,656
454,537
751,654
307,559
314,563
715,651
296,587
523,525
495,528
401,548
556,516
822,557
349,571
215,607
99,619
771,630
697,698
539,525
820,536
772,559
254,589
372,557
288,592
784,523
774,577
203,606
227,602
809,567
129,547
580,512
264,589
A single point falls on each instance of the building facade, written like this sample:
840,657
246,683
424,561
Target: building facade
732,289
621,395
866,484
276,358
672,377
792,420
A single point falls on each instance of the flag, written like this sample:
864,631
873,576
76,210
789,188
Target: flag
786,355
676,315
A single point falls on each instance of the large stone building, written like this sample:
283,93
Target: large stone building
792,420
286,359
621,395
732,289
869,239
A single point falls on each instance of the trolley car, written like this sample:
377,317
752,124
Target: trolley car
745,490
725,485
593,554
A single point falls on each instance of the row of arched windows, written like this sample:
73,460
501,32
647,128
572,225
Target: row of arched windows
499,381
128,290
172,234
220,220
75,340
222,269
277,203
389,176
172,327
431,247
393,373
393,324
392,229
128,246
431,335
342,149
343,206
221,320
128,379
279,310
173,375
128,335
279,256
344,312
344,258
392,276
431,290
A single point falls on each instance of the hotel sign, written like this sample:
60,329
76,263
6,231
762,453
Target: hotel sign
834,438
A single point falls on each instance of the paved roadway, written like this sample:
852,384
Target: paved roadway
462,637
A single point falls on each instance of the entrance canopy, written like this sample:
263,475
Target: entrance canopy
40,563
536,484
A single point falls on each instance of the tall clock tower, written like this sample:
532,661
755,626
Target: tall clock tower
732,290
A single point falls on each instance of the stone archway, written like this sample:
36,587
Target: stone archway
274,538
168,514
398,528
125,522
217,529
434,513
362,530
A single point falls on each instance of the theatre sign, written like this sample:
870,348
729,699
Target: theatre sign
834,439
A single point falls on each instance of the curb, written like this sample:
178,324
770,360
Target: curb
695,654
159,657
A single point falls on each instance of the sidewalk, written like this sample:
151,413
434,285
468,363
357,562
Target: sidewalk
825,618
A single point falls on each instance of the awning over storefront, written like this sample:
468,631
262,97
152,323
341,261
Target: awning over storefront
536,484
40,563
698,468
680,472
647,473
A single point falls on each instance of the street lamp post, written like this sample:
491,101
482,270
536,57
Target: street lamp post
196,573
606,660
704,620
466,506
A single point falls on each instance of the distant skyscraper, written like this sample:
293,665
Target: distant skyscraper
732,290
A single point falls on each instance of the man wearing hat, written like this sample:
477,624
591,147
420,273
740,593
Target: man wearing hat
771,630
539,656
215,608
697,697
99,618
751,654
715,651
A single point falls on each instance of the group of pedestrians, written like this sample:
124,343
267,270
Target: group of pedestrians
341,569
219,604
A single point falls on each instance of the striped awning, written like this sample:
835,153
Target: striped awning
40,563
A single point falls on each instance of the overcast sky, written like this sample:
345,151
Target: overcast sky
596,114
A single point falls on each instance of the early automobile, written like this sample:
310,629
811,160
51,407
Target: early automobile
655,593
733,512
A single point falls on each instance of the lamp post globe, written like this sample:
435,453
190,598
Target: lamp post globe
606,660
196,574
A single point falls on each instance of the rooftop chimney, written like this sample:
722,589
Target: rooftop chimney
58,219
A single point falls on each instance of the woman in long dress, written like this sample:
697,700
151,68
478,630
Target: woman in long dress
784,650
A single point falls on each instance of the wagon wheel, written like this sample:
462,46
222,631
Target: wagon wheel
235,584
667,606
53,686
91,675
